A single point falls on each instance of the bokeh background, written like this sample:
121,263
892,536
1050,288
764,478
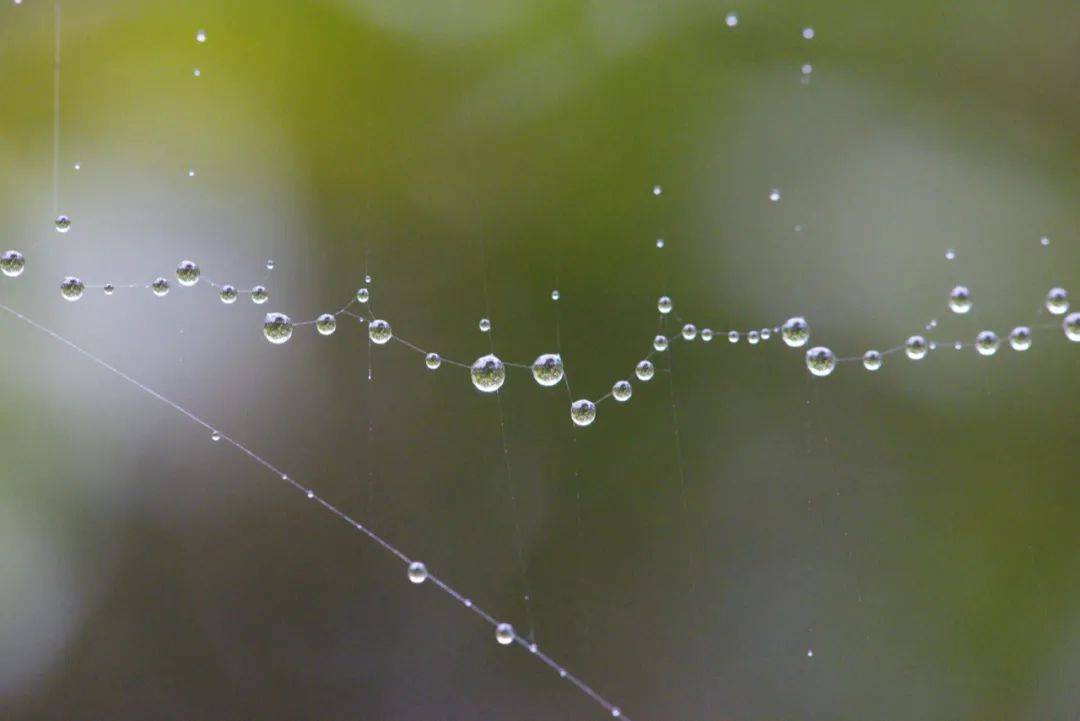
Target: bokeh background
915,529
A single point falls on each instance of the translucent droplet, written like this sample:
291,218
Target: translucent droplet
807,68
379,332
548,369
664,305
1072,326
1057,301
820,360
660,343
555,295
215,436
616,712
871,360
706,334
752,337
191,172
12,263
362,295
731,19
657,190
987,342
270,264
504,634
277,327
1044,241
433,360
160,287
644,370
622,391
916,347
659,242
488,373
63,224
689,331
808,33
485,325
259,295
228,294
109,289
71,288
196,72
733,336
200,36
950,254
583,412
1020,338
795,331
417,572
960,299
774,195
326,324
766,334
187,273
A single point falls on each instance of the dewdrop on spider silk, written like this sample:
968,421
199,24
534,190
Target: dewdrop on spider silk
644,370
379,332
433,361
916,347
62,223
259,295
488,373
820,361
277,327
12,263
187,273
583,412
547,370
228,294
160,287
417,572
326,324
71,288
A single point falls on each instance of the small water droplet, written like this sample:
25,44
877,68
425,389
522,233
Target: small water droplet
417,572
731,19
583,412
774,195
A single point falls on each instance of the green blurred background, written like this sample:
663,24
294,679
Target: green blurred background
915,528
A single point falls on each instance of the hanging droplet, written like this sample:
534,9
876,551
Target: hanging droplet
326,324
1020,338
664,305
379,332
583,412
644,370
200,36
259,295
548,369
731,19
915,347
187,273
215,436
1072,326
488,373
774,195
660,343
871,360
1057,301
960,299
363,294
808,33
12,263
807,68
795,332
766,334
657,190
63,224
659,242
71,288
433,360
160,287
504,634
706,334
733,336
555,294
820,360
228,294
270,264
109,288
485,325
196,72
622,391
367,279
950,254
987,342
1044,241
689,331
417,572
277,327
752,337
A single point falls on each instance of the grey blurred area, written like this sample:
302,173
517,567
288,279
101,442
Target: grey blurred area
739,541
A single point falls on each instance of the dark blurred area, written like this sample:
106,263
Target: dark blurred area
740,541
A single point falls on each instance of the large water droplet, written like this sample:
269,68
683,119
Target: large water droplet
326,324
583,412
664,305
379,332
548,369
160,287
12,263
820,360
644,370
916,347
1020,338
187,273
871,360
433,361
488,373
795,331
63,224
417,572
622,391
504,634
71,288
1057,301
1071,325
277,327
228,294
259,295
987,342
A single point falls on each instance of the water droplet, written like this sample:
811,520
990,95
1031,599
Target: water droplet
622,391
1044,241
733,336
363,294
960,300
504,634
795,331
958,345
583,412
871,360
774,195
659,242
215,436
706,334
657,190
548,369
1020,338
160,287
555,295
820,360
807,68
433,360
766,334
664,305
191,172
187,273
808,33
200,36
752,337
616,712
259,295
731,19
196,72
367,279
63,224
12,263
987,342
379,332
950,254
71,288
417,572
326,324
109,289
915,347
1057,301
488,373
660,343
277,327
310,494
1071,325
228,294
485,325
689,331
77,166
644,370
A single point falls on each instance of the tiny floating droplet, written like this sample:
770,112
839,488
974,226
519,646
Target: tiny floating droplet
63,224
277,327
379,332
808,33
547,369
160,287
950,254
807,68
731,19
555,295
326,324
196,72
774,195
504,634
987,342
659,242
752,337
1044,241
71,288
488,373
657,190
12,263
270,264
228,294
820,360
191,172
187,273
583,412
417,572
733,336
644,370
259,295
